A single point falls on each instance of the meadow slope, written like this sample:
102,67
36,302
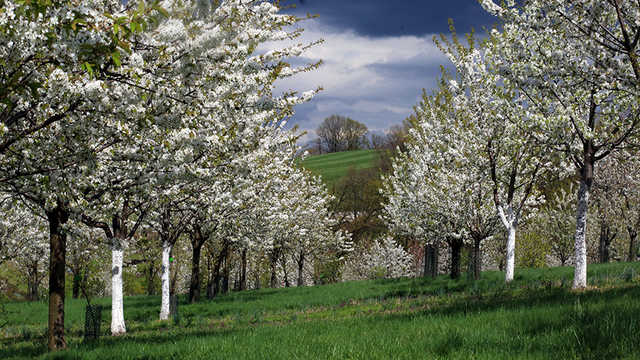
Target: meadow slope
334,166
535,317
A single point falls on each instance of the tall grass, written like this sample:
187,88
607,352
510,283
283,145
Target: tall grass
535,317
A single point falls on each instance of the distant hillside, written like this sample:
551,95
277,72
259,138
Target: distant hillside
332,167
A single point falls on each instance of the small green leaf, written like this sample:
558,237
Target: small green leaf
116,58
161,10
88,68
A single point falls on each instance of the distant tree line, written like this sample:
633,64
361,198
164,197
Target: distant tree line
340,133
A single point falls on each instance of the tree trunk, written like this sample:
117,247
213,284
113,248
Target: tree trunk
117,299
216,283
173,276
225,273
210,276
580,273
633,234
456,248
118,241
210,286
210,294
57,262
300,270
243,271
510,221
605,242
164,307
274,276
425,261
150,283
431,260
32,282
284,271
213,281
236,282
194,287
477,259
77,278
511,253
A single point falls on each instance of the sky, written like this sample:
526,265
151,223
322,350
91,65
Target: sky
378,56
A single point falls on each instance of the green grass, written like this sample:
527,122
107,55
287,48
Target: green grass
535,317
333,167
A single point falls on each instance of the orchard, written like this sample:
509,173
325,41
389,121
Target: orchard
146,148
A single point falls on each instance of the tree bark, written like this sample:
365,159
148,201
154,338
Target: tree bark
431,260
477,259
243,271
194,286
213,280
511,253
284,271
605,242
151,290
164,306
425,261
76,285
257,284
33,282
57,263
633,234
118,326
300,281
225,272
197,241
456,248
216,283
580,272
274,276
118,242
509,219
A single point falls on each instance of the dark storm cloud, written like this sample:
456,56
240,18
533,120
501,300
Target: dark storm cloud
397,17
378,57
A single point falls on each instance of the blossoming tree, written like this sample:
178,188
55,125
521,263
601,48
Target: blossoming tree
574,67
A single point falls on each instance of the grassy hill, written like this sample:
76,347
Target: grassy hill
332,167
535,317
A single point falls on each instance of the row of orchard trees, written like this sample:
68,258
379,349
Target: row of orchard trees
551,94
154,118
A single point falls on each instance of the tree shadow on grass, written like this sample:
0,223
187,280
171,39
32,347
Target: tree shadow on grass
170,335
593,327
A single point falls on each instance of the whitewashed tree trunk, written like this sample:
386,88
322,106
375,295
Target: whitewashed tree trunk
511,252
117,304
580,274
510,222
164,307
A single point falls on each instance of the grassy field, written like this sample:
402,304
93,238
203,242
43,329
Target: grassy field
535,317
332,167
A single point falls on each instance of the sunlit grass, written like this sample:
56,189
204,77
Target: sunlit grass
332,167
537,316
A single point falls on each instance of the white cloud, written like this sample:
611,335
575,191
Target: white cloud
373,80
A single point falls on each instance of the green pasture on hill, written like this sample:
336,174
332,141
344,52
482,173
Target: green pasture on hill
334,166
535,317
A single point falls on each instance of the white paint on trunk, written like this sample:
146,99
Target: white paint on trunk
511,253
164,307
117,304
580,273
510,222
